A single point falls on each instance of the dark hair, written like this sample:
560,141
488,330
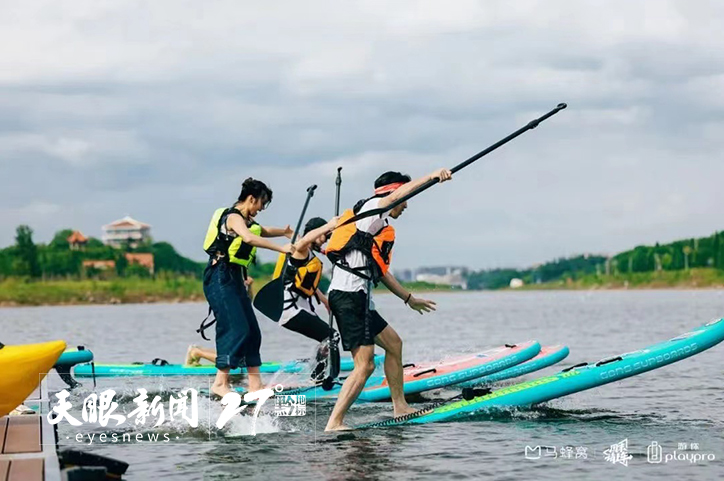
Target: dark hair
385,179
256,189
313,223
391,178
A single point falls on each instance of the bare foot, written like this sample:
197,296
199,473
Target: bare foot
338,427
222,390
192,357
255,387
406,409
250,389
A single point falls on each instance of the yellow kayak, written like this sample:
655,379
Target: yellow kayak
23,367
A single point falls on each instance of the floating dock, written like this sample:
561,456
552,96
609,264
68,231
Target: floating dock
28,443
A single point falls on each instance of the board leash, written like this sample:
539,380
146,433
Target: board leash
467,394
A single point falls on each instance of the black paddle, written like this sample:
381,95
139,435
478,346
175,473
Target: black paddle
332,366
270,298
531,125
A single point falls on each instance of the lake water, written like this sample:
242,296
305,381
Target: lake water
680,404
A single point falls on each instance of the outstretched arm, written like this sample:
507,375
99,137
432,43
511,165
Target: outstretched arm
303,245
442,174
419,305
237,224
277,232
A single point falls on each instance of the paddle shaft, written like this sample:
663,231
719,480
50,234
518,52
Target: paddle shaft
338,185
310,193
530,126
327,384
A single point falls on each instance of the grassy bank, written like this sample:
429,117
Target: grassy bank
681,279
19,292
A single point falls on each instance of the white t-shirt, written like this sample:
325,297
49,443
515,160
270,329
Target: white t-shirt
346,281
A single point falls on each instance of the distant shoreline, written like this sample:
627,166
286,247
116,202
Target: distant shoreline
19,293
697,278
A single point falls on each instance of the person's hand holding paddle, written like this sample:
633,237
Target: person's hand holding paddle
442,174
333,222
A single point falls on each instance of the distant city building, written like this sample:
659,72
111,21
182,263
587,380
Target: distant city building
126,232
449,276
77,241
515,283
141,258
404,275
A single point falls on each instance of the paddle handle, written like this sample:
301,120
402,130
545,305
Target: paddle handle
338,185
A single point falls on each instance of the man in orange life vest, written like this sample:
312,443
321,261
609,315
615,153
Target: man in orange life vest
361,254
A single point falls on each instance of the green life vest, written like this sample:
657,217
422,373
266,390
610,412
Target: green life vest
233,246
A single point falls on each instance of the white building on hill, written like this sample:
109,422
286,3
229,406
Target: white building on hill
126,232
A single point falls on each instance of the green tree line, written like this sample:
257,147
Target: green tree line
705,252
57,260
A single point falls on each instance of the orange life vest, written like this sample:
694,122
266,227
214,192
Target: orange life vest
377,247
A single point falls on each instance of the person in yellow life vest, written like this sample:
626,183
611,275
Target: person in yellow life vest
231,242
361,253
302,296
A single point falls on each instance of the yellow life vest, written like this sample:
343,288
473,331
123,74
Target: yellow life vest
233,246
303,279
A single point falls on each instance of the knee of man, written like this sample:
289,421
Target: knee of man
395,344
370,367
367,367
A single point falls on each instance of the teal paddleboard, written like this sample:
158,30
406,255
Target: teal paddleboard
571,380
161,369
547,356
73,357
432,375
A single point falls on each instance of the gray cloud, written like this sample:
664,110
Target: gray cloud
161,109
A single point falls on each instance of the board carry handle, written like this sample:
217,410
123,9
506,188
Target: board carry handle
575,366
608,361
427,371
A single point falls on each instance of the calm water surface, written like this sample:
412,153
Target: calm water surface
681,403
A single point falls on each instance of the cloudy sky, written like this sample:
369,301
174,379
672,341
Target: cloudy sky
160,110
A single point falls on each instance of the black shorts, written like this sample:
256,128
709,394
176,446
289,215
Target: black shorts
349,310
307,324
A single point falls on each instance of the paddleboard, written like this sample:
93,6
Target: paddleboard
161,369
432,375
547,356
73,357
573,379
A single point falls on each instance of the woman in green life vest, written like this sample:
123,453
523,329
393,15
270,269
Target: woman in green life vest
231,242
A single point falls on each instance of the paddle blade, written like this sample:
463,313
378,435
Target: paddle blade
270,299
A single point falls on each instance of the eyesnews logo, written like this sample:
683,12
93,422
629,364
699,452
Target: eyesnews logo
651,362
